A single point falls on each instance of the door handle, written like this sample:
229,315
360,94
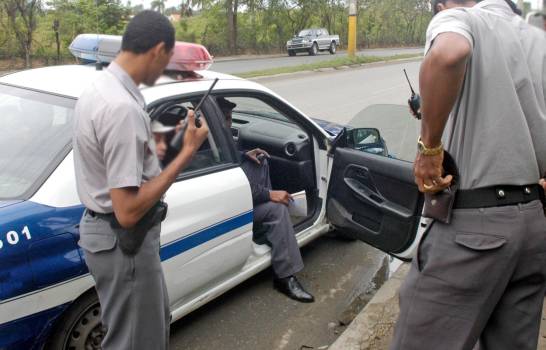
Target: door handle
367,195
364,192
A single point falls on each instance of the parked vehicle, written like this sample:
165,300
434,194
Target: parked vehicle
312,41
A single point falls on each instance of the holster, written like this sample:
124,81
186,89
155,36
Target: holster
439,206
130,240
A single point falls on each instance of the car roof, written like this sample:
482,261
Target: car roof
71,80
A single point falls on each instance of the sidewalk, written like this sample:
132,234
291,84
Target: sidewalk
372,329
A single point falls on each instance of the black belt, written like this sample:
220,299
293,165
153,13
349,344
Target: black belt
95,214
497,196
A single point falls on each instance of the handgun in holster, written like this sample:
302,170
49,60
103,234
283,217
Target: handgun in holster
130,240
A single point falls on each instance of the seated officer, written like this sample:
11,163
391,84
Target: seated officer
271,219
161,132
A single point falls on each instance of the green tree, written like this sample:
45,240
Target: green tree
21,17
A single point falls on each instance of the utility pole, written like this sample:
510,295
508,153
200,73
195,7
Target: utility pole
351,44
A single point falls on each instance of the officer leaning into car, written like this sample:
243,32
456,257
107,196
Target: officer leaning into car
481,278
119,181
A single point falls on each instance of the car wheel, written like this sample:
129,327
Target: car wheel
313,50
80,327
291,53
332,48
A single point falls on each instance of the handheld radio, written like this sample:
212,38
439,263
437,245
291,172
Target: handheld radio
178,139
414,101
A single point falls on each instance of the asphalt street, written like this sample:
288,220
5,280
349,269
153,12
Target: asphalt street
253,316
238,65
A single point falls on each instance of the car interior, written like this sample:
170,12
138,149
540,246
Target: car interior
255,124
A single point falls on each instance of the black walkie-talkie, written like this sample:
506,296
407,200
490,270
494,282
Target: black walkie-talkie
414,101
178,139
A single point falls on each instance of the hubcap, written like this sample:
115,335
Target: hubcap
87,333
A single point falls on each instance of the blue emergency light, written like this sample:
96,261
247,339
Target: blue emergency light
103,49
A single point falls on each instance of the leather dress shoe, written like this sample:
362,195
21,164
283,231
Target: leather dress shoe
293,289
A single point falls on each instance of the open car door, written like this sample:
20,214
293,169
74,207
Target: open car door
372,195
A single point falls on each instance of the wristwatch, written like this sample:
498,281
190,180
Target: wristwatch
426,151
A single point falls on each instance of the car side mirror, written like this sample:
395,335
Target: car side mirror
367,140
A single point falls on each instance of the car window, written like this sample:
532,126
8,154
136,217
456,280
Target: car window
209,155
249,106
36,130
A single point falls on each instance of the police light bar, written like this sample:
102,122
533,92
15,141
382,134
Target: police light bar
100,48
92,48
188,57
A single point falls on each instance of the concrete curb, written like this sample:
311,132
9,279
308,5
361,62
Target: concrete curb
332,69
372,329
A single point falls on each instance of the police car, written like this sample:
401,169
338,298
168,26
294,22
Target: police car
47,299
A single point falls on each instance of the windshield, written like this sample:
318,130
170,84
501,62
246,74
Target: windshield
35,132
306,32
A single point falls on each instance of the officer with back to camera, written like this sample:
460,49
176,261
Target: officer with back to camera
119,181
480,278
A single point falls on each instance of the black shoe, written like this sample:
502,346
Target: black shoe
293,289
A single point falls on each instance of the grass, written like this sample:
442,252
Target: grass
335,63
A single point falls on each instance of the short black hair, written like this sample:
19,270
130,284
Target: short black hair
145,31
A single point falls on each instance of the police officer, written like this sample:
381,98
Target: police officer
272,223
481,277
119,182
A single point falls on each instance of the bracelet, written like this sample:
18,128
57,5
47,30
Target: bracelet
426,151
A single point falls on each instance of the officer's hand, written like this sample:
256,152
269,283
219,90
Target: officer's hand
280,197
194,136
428,173
255,154
542,183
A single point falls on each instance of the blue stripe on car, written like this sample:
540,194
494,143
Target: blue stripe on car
209,233
29,333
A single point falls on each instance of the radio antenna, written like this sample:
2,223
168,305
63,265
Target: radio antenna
411,87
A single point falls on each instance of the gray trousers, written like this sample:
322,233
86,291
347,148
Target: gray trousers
480,280
131,289
272,221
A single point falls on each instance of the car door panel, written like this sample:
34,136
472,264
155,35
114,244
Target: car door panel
374,199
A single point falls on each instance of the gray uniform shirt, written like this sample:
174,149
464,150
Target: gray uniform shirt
113,144
497,129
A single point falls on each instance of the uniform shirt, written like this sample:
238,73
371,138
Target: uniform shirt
113,144
497,129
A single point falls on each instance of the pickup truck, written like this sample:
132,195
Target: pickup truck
312,41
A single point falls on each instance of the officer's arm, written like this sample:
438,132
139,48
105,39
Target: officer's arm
440,81
131,203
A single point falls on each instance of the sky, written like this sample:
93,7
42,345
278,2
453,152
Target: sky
169,3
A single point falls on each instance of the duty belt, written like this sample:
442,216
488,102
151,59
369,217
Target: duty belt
497,196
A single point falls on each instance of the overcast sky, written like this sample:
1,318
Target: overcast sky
169,3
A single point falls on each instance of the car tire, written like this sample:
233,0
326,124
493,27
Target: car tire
313,50
80,327
291,53
332,48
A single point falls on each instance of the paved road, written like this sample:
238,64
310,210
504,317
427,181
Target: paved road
339,96
255,317
254,64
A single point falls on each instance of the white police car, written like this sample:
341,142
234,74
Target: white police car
47,299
